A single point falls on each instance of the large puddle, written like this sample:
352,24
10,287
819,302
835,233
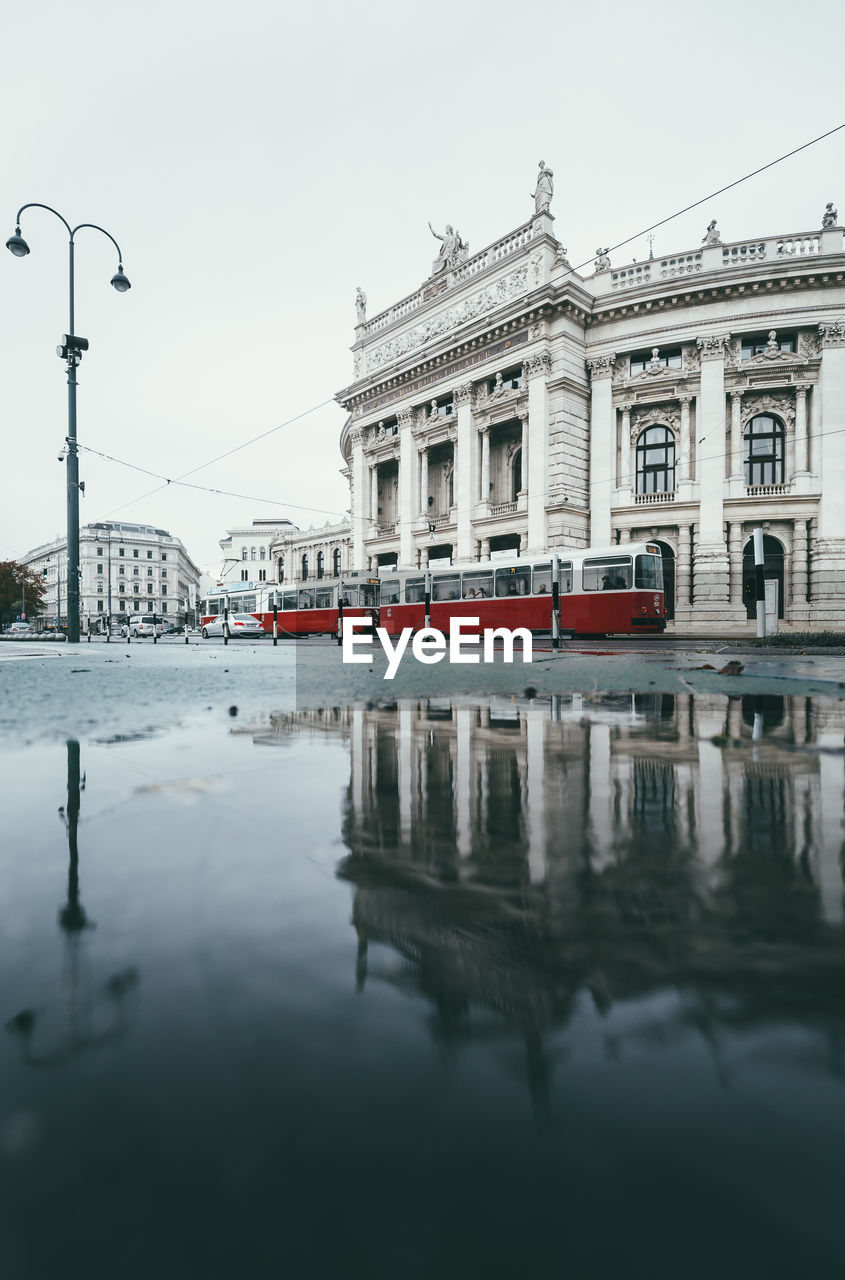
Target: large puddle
428,988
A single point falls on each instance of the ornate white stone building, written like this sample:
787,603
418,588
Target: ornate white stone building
511,402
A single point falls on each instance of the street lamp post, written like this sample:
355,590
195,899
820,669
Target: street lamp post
71,350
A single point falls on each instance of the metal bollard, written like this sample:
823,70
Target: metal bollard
275,625
226,625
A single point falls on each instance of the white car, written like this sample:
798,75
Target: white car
237,624
143,624
19,629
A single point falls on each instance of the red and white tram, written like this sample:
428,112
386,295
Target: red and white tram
615,590
602,591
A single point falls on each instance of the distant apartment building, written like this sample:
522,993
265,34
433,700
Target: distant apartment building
125,569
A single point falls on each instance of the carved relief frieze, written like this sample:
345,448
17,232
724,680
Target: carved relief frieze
714,346
691,359
356,435
405,417
654,416
601,366
809,346
539,363
463,394
832,334
780,403
492,295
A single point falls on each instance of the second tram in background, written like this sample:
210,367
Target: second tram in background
616,590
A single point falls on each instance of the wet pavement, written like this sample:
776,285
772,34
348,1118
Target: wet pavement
440,983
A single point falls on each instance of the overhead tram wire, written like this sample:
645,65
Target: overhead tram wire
587,262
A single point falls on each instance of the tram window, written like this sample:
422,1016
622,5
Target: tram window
289,599
414,590
565,575
389,593
246,604
324,597
446,586
611,573
368,594
349,599
478,586
513,582
542,581
649,573
305,598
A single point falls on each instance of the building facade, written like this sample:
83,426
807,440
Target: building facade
513,405
125,569
325,552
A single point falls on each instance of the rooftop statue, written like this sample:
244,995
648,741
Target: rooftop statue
602,260
544,190
712,235
830,215
360,305
449,249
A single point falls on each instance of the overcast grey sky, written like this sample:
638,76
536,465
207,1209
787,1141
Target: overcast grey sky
256,162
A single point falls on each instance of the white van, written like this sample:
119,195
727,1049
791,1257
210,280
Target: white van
143,624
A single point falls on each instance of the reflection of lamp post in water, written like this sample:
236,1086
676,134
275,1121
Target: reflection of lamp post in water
88,1027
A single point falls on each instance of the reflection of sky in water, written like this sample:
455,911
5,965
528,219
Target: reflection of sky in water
451,987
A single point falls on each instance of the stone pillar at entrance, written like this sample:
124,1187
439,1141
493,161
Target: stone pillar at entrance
407,486
828,564
535,471
799,610
801,428
359,497
423,456
463,470
484,495
710,582
735,560
683,572
602,448
736,471
684,456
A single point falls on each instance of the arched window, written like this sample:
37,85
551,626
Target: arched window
336,562
764,450
516,475
304,568
320,562
656,461
252,553
244,553
262,553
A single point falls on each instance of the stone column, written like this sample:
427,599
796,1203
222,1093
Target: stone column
485,465
463,470
359,502
800,429
374,493
735,564
602,447
423,458
535,477
798,602
683,569
524,468
485,548
710,582
737,470
407,486
628,478
684,451
828,564
465,717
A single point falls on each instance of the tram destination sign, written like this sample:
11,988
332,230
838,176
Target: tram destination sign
469,361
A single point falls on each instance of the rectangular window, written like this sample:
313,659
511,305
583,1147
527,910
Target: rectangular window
99,551
665,359
136,588
389,591
289,600
121,551
324,598
164,573
149,555
610,573
136,571
100,606
135,553
164,555
122,570
100,588
164,589
99,568
262,575
244,575
757,343
164,606
122,604
446,586
414,590
478,586
149,573
514,581
149,588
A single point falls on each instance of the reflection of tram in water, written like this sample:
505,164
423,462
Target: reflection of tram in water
616,590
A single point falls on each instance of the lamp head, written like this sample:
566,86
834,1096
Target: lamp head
119,280
17,245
